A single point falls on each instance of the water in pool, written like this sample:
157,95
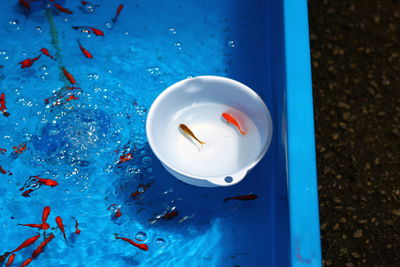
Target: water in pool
77,113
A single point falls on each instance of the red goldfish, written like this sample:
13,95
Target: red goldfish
45,215
169,215
246,197
28,62
140,246
117,212
232,120
63,9
26,262
3,109
68,76
77,230
27,243
71,97
47,182
10,260
20,149
2,170
32,225
61,226
46,52
125,157
26,5
94,30
119,9
40,248
27,192
84,51
2,151
141,189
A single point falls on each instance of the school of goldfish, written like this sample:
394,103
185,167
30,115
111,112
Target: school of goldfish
126,153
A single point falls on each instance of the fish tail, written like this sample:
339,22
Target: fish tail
242,132
226,199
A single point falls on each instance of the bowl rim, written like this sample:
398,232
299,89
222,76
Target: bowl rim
163,94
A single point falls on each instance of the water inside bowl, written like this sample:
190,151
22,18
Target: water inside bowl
226,150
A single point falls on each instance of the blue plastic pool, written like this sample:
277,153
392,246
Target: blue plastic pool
92,140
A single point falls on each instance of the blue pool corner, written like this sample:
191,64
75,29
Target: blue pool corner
301,164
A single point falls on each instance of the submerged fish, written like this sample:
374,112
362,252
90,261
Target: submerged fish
94,30
40,248
3,109
133,243
230,119
28,62
246,197
46,52
27,243
68,76
84,51
20,149
45,215
63,9
61,226
77,230
26,262
187,131
119,9
10,260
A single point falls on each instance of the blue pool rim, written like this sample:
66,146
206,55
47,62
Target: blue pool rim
301,164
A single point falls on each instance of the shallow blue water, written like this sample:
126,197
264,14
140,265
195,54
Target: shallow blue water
78,143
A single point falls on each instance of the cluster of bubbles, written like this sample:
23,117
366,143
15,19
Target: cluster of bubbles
88,8
142,236
178,45
38,29
72,138
13,25
231,43
4,55
108,25
92,76
172,30
43,72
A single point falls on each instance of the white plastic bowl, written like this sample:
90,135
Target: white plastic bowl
199,103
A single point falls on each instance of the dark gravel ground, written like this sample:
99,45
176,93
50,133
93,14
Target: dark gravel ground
356,80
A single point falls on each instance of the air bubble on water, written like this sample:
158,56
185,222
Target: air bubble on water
43,68
88,8
65,19
92,76
126,33
146,161
232,43
38,29
160,242
140,189
13,25
140,236
16,91
108,25
48,5
149,170
172,30
108,169
133,170
178,45
43,77
66,191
